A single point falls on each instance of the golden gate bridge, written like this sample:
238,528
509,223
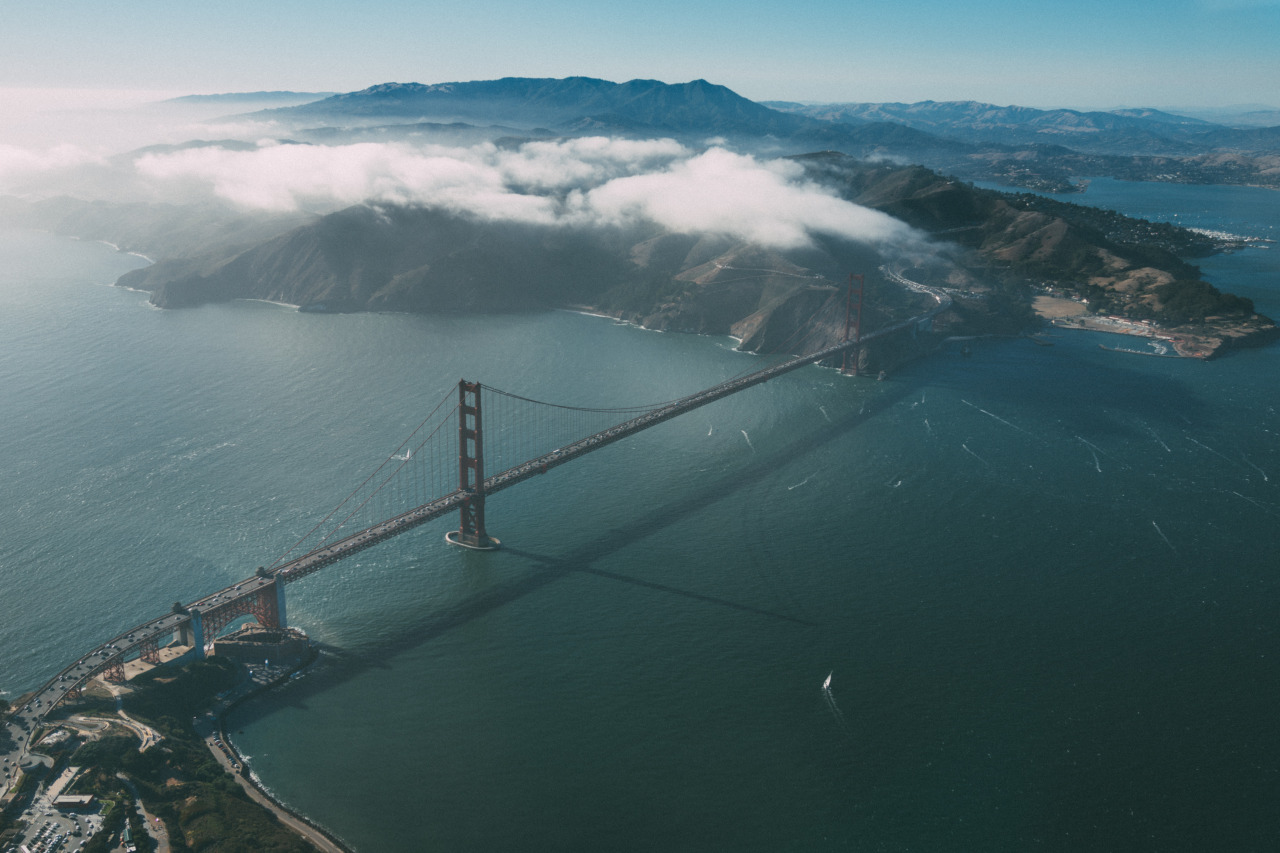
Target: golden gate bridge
440,468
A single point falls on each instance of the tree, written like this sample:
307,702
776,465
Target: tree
1190,301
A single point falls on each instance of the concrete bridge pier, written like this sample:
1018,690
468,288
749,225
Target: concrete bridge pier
191,633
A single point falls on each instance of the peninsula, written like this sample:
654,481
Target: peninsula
573,205
1006,258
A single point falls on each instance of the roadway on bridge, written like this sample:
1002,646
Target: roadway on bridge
145,638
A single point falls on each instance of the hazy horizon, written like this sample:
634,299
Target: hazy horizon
106,120
1080,54
82,86
25,102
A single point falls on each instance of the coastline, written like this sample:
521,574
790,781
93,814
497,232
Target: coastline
1195,342
318,836
116,248
588,311
1203,341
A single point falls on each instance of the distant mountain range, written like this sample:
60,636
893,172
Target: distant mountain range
1021,146
575,104
1244,115
424,259
568,105
259,100
1130,131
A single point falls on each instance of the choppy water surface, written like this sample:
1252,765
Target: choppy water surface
1042,580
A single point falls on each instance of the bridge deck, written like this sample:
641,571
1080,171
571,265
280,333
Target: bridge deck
317,559
145,636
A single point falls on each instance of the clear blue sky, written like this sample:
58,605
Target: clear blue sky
1087,53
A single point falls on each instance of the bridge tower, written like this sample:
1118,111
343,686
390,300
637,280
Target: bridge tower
848,309
471,532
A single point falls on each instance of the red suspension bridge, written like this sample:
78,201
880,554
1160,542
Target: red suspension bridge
441,468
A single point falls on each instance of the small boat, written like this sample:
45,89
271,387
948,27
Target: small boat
826,685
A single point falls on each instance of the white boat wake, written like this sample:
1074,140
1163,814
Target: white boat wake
1159,440
748,438
1265,478
830,699
996,417
1208,448
1089,444
1258,504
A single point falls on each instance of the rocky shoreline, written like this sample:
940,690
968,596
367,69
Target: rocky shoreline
316,834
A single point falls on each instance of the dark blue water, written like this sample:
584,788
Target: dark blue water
1042,580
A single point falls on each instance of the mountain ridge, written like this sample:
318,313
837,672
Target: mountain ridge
553,102
978,141
1146,130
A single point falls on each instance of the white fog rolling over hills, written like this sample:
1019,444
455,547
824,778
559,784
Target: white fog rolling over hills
179,154
576,182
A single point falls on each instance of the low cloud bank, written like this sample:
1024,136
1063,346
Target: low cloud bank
718,191
25,164
572,182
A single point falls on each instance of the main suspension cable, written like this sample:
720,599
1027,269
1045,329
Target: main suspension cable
363,483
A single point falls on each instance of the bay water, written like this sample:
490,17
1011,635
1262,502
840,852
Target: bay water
1040,583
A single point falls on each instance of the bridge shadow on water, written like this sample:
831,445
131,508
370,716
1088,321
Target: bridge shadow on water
548,569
